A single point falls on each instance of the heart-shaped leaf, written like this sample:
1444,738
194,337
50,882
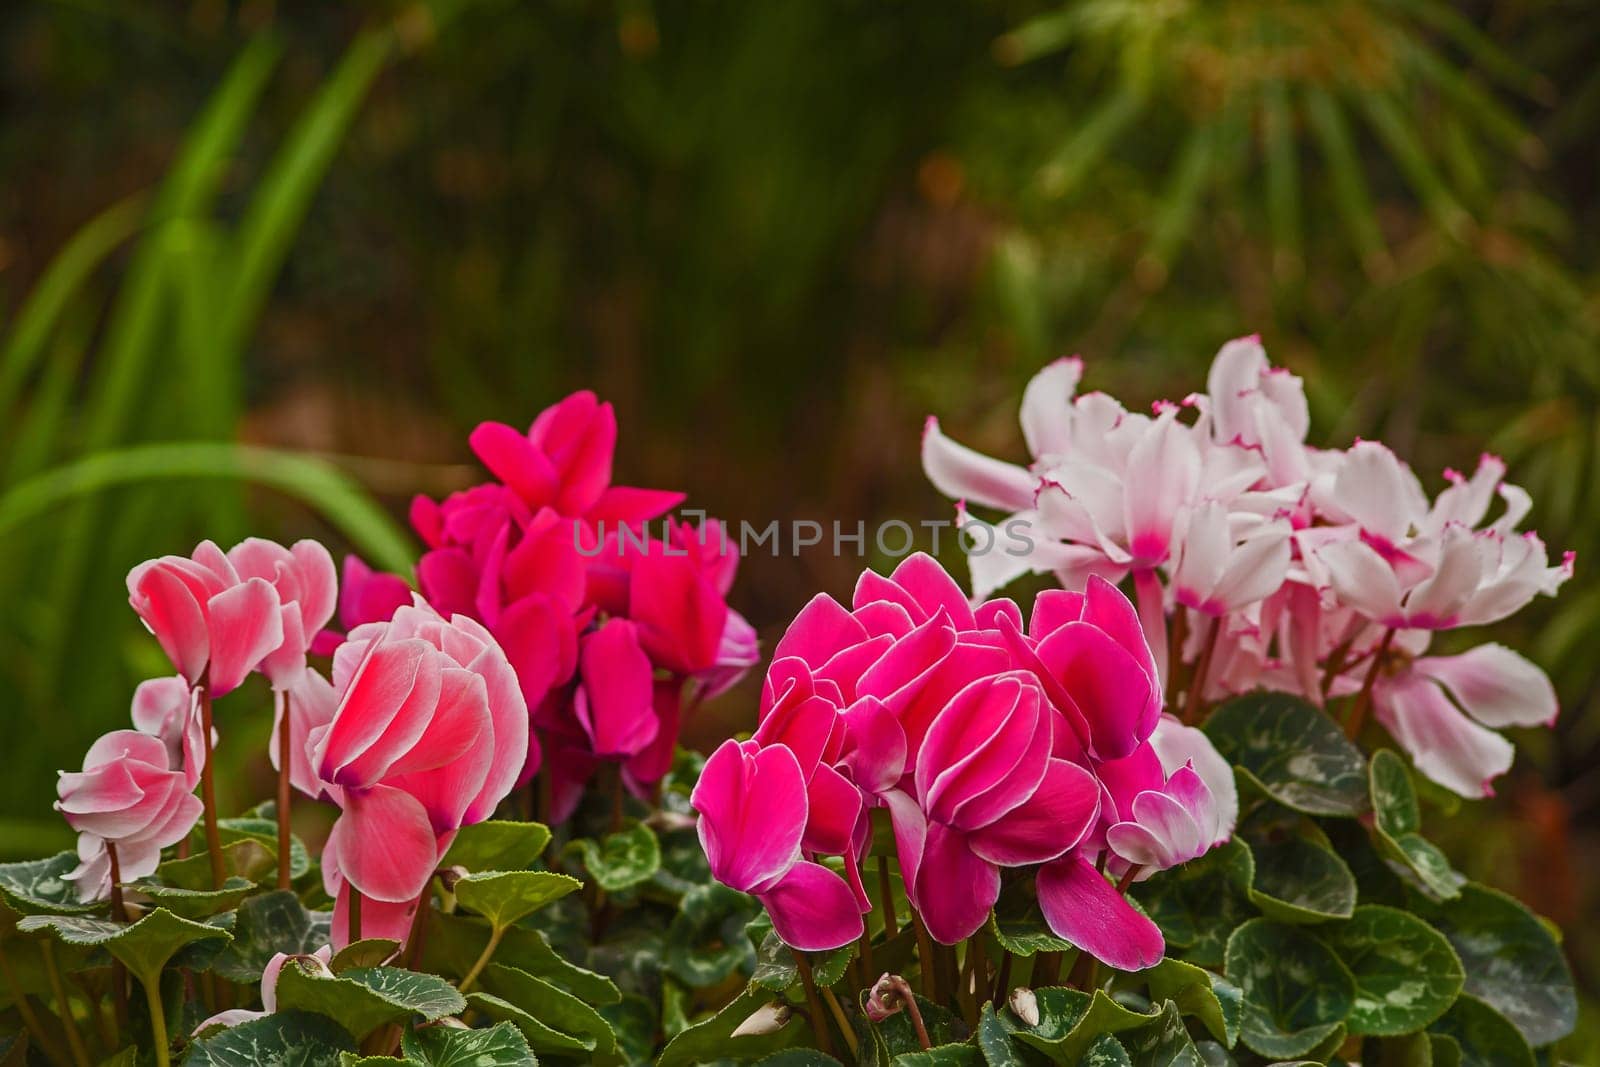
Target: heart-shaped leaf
37,887
1483,1037
540,1038
266,925
1397,822
633,1019
1163,1043
503,897
501,1045
264,831
1198,992
1512,962
368,952
1070,1021
1296,992
962,1055
622,860
1298,877
285,1037
144,947
1292,751
454,943
497,846
775,967
1106,1051
363,999
1406,973
247,857
1197,905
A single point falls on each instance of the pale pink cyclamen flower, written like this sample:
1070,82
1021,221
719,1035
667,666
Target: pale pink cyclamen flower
130,795
429,734
214,625
269,989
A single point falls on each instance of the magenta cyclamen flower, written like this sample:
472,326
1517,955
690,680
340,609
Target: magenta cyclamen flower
429,734
752,805
132,796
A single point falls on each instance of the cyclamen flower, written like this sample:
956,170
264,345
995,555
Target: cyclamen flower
752,805
214,624
365,595
132,796
303,577
428,736
269,990
1318,571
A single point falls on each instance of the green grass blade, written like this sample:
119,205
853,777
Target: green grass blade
34,442
309,479
1349,184
1480,47
1283,178
1085,148
1388,121
62,280
1179,202
285,192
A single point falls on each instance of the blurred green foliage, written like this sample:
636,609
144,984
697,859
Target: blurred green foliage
776,235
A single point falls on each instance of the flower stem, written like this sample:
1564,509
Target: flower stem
1003,978
419,927
80,1054
891,924
904,992
1046,969
1192,703
208,790
285,753
1180,623
119,912
353,918
483,959
158,1025
1358,710
845,1029
819,1023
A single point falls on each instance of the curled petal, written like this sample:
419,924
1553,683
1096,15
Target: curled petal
813,909
1085,909
1495,685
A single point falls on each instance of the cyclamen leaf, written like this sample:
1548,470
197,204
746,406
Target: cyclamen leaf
712,1038
1197,905
1512,962
896,1034
285,1037
501,1045
994,1041
1298,877
266,925
633,1019
368,952
1101,1016
1208,997
364,999
503,897
554,1007
797,1057
1292,751
1397,820
1027,933
961,1055
705,941
1164,1043
621,860
248,858
1106,1051
37,887
1406,974
1483,1036
144,946
775,967
540,1038
1296,992
454,942
264,831
497,846
196,903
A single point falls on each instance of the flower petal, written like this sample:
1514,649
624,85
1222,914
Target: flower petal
1085,909
813,909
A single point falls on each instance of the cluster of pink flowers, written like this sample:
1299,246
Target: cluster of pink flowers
1262,562
611,632
990,745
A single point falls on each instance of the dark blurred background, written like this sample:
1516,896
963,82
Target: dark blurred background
316,243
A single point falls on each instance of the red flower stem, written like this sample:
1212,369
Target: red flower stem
891,923
208,790
1003,978
1180,624
903,991
119,912
418,937
1197,685
1358,710
819,1022
1046,969
285,752
866,956
353,923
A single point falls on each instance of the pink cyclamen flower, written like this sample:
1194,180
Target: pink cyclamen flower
753,813
988,794
303,577
168,709
1172,801
214,624
269,989
428,736
130,795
